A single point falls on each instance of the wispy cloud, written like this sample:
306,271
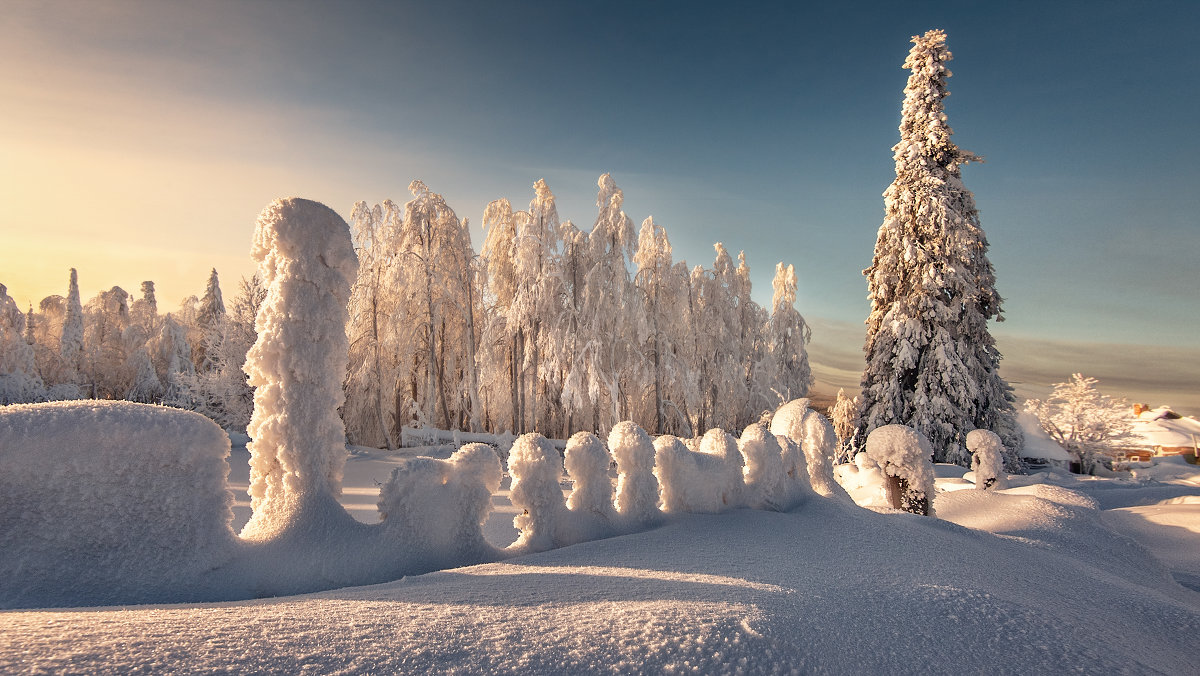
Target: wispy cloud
1141,373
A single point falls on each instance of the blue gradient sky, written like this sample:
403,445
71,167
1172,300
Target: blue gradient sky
143,138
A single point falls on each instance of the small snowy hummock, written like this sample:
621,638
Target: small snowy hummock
720,443
110,502
307,263
690,481
764,473
815,435
436,508
536,469
904,453
987,460
591,500
637,487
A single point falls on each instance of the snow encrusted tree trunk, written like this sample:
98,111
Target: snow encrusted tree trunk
930,361
307,262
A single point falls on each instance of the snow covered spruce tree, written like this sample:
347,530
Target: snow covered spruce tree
307,262
931,362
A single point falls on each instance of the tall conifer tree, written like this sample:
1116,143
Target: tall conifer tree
931,362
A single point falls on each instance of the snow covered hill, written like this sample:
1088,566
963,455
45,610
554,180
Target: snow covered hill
1027,580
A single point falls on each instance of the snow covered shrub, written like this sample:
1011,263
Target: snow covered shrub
765,488
987,460
690,481
438,507
812,431
307,263
637,487
587,463
109,501
535,469
796,485
904,455
720,443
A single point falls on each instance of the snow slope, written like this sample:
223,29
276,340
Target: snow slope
829,588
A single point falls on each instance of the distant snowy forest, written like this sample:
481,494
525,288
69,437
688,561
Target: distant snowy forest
549,328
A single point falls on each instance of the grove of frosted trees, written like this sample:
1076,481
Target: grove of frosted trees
932,364
549,329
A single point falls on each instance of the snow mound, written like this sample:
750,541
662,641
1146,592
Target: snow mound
694,481
107,501
637,487
796,421
435,509
765,488
591,500
536,471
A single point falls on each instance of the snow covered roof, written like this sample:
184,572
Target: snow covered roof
1164,427
1038,444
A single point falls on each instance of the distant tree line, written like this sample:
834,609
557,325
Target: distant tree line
549,329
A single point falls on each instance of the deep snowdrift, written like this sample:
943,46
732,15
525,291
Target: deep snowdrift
106,501
829,588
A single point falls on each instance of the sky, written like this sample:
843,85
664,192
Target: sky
141,139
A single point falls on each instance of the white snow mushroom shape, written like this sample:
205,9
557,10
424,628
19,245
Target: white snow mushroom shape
438,507
987,459
307,264
637,487
692,481
904,456
591,500
535,469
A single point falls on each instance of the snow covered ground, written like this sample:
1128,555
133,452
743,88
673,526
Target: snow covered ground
1056,573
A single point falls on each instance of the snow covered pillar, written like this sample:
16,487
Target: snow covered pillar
307,263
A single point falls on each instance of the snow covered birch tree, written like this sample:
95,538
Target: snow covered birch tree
1082,419
785,372
931,362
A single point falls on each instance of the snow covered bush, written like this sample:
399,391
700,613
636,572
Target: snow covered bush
813,432
591,500
307,263
110,502
764,473
904,456
692,481
637,487
797,487
987,459
718,442
536,470
435,509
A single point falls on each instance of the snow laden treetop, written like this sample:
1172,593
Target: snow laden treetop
931,362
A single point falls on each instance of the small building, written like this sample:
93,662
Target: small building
1165,432
1040,450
